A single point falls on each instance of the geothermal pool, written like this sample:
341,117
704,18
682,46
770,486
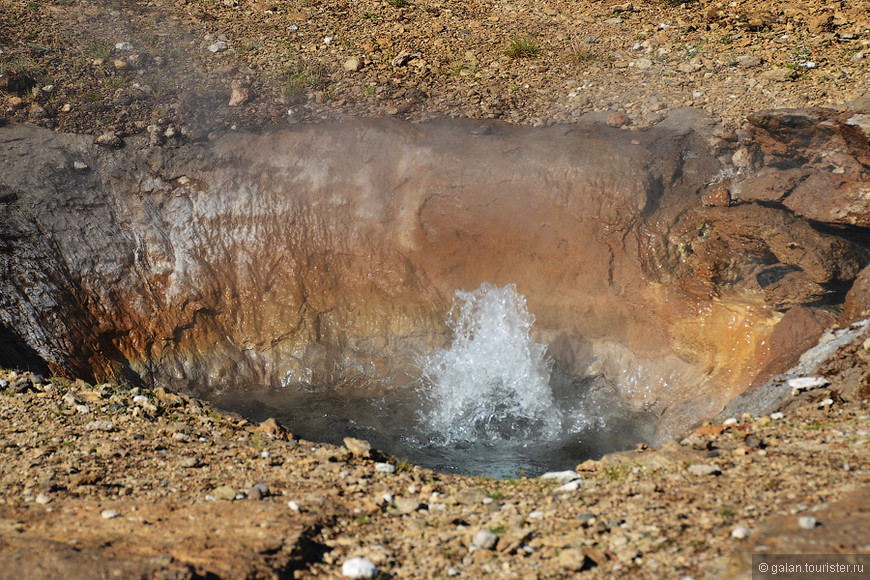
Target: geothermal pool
491,403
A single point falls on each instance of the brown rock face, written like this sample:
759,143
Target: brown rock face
328,255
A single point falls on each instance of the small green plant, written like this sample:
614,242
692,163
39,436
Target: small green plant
496,494
525,47
403,464
363,520
99,50
370,15
33,6
726,512
369,90
498,530
398,3
612,473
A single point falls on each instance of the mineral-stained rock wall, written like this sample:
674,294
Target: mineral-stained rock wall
325,255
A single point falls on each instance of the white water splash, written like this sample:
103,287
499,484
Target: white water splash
492,384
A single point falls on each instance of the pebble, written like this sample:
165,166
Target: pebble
703,469
807,522
225,492
79,166
218,46
123,46
406,505
43,499
777,416
99,426
109,514
358,447
807,383
385,468
294,506
359,568
730,421
352,64
561,476
740,532
484,539
570,486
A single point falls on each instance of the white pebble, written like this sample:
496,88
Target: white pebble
109,514
807,522
730,421
43,499
740,532
294,506
776,416
359,568
218,46
561,476
385,467
570,486
265,455
124,46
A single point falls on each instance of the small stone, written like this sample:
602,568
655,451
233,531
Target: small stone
352,64
740,532
358,447
385,468
218,46
807,522
406,505
401,59
120,64
571,559
79,166
109,514
43,498
561,476
189,462
747,61
779,75
109,139
99,426
225,493
484,539
716,197
704,469
807,383
238,96
729,422
123,46
570,486
643,63
294,506
617,120
777,416
261,488
359,568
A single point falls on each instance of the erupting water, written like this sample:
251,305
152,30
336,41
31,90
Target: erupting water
493,403
492,384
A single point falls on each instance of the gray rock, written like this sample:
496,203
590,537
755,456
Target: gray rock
99,426
406,505
385,468
218,46
747,61
779,75
109,514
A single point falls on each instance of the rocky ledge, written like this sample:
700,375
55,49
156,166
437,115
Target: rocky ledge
107,481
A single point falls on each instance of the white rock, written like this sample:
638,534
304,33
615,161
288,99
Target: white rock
109,514
352,64
703,469
776,416
806,383
570,486
484,539
43,499
729,421
294,506
140,399
561,476
124,46
218,46
79,166
807,522
385,467
740,532
99,426
359,568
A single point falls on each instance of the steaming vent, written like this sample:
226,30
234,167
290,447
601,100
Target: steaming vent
492,384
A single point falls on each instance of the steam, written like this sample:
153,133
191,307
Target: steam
492,384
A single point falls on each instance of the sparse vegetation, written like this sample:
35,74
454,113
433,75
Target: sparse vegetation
526,47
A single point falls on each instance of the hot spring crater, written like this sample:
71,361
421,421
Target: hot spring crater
477,297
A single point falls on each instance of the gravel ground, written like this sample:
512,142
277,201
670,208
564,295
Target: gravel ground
188,69
150,483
